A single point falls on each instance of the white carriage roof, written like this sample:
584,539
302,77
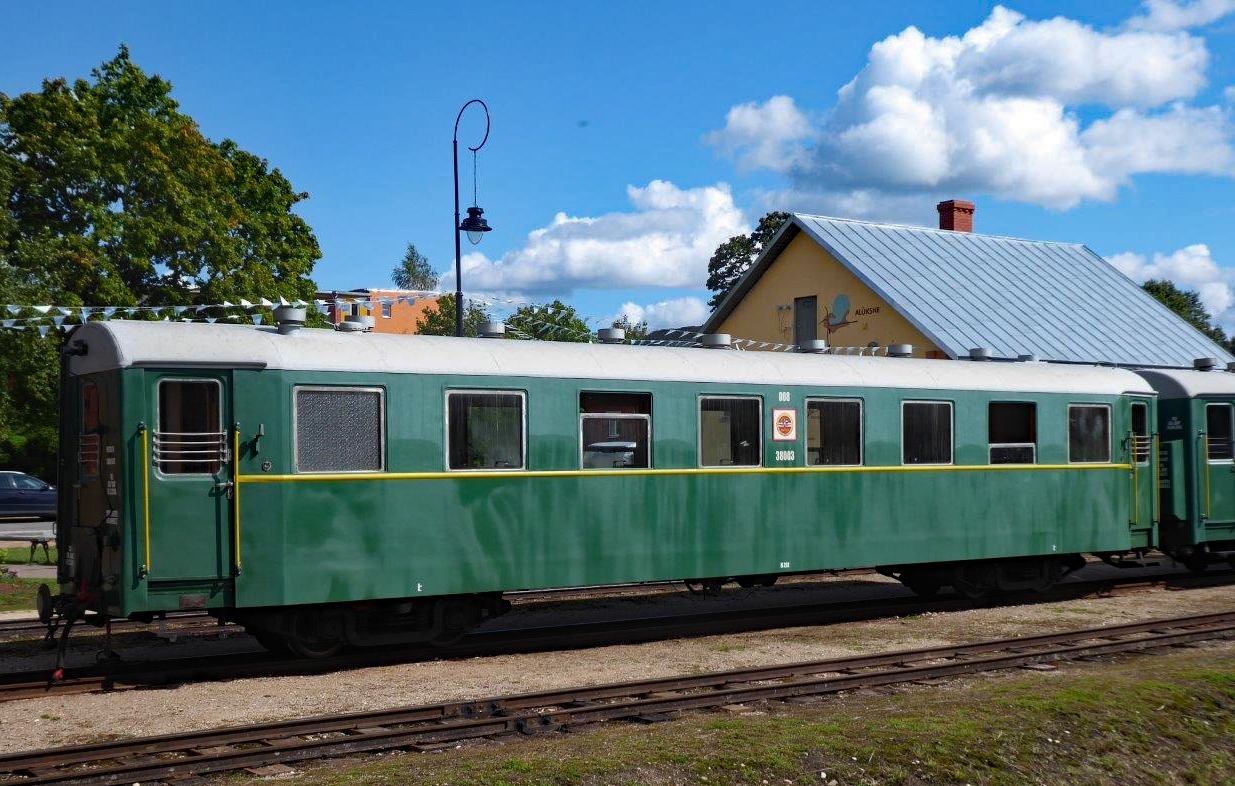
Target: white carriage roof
1181,383
122,344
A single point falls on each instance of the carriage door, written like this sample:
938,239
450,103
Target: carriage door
190,478
1218,477
1144,475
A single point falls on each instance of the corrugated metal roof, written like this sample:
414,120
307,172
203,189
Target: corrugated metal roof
1059,301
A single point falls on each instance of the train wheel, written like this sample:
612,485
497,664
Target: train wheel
973,583
1197,565
272,643
304,648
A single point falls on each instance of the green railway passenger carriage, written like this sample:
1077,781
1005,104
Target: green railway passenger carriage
1197,424
325,488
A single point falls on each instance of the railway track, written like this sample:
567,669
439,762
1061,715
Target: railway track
431,726
126,676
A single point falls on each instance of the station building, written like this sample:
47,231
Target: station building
392,310
947,291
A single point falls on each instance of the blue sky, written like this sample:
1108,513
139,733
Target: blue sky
654,129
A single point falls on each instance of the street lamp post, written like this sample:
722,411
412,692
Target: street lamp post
475,224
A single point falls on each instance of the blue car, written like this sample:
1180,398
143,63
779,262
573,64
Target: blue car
26,497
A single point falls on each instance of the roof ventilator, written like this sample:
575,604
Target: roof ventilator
815,346
1205,364
493,330
611,335
290,319
356,323
900,350
1029,358
716,341
979,353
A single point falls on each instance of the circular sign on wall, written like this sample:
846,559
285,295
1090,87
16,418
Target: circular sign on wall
784,425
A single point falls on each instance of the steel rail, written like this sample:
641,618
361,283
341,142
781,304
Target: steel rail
221,750
35,684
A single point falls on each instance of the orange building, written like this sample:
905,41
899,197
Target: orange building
393,310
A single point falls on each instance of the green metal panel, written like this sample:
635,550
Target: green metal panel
308,540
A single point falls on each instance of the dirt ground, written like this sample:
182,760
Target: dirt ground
41,723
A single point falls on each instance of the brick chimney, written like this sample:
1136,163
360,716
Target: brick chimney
956,215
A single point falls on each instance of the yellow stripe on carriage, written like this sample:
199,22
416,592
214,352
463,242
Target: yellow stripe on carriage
343,477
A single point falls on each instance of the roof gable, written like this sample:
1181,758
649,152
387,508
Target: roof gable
1059,301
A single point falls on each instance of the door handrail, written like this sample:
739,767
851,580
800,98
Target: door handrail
145,569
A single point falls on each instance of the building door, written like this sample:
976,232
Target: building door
189,472
805,320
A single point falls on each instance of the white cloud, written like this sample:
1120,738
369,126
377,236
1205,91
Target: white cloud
1171,15
998,110
764,136
665,241
677,312
1191,267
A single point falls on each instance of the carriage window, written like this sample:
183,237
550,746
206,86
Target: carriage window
833,432
729,431
486,430
1218,432
926,432
190,439
1013,432
340,429
1140,433
615,430
1089,434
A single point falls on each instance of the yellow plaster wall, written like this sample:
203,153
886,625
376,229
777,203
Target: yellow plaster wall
804,269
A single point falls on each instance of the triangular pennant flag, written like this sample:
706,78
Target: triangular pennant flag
43,330
322,308
58,320
202,308
8,323
14,310
180,309
212,320
257,319
245,304
266,302
41,309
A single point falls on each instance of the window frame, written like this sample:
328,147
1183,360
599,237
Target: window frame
1230,409
1109,435
317,388
523,435
951,433
387,309
699,430
225,456
861,428
616,416
991,445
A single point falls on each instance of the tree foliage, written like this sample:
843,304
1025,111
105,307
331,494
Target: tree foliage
1187,304
555,321
734,257
440,320
635,331
414,271
110,195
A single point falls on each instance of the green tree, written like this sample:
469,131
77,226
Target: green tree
555,321
734,257
110,195
440,320
414,271
116,197
1187,304
635,331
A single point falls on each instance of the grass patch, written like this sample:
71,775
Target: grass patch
1085,725
19,555
18,594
